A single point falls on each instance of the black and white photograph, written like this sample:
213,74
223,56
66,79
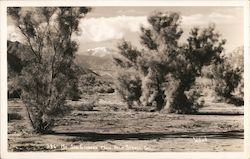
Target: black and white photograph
125,78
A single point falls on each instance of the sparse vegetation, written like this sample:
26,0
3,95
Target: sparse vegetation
91,84
113,124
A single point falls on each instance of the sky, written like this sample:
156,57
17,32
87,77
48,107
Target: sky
104,27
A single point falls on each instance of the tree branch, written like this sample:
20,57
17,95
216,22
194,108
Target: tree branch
28,39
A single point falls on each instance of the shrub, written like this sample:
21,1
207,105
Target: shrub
128,86
227,79
89,106
104,89
14,116
86,107
110,90
194,95
239,91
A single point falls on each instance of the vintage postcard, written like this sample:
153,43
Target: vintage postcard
124,79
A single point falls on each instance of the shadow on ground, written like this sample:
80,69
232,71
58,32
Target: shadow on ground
92,136
220,113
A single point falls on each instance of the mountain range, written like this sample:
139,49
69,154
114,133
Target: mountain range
100,60
18,52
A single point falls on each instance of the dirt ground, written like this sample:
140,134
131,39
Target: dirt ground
111,127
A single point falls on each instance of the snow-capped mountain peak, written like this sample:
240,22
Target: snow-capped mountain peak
100,51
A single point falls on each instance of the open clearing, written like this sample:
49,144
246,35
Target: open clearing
111,127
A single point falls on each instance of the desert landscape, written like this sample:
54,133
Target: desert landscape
114,97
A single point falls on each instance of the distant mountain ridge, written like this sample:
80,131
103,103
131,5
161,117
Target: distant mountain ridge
100,52
16,58
99,59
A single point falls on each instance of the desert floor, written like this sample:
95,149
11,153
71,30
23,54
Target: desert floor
110,126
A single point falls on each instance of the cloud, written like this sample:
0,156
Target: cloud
97,29
108,28
104,30
214,17
13,33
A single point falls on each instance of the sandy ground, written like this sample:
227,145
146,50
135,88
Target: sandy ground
111,127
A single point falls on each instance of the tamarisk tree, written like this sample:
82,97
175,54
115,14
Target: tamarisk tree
48,71
162,74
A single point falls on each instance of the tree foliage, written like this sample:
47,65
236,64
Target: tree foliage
162,74
48,72
228,77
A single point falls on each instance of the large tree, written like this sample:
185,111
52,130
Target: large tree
162,74
48,71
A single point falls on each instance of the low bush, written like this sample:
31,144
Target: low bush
91,84
227,79
86,106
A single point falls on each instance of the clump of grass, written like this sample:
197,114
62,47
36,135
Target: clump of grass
89,106
104,89
86,107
